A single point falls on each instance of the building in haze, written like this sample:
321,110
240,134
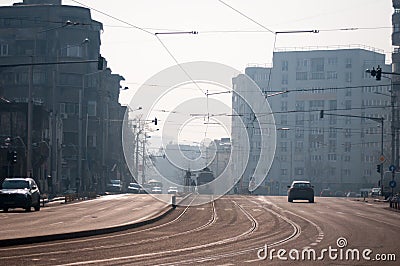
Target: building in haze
333,151
84,133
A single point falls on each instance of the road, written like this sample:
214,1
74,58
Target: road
234,231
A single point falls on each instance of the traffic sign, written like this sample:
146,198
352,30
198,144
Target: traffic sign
382,159
392,184
392,168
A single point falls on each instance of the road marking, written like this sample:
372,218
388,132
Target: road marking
313,244
57,223
200,209
250,261
228,209
341,213
256,210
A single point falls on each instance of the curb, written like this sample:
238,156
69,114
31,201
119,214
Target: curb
92,232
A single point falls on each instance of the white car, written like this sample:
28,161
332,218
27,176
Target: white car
156,190
172,190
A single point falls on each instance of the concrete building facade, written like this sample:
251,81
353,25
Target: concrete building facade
82,100
335,151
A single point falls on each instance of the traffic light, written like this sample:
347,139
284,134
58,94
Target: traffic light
378,73
373,72
378,168
100,63
321,114
14,157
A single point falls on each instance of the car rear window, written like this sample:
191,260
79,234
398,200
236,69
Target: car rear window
15,184
301,185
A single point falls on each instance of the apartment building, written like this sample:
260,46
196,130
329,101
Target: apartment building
340,148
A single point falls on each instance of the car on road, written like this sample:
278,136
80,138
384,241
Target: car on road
339,194
301,190
326,192
172,190
376,191
114,186
19,193
156,190
134,188
351,194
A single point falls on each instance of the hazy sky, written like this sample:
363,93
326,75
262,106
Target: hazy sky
224,35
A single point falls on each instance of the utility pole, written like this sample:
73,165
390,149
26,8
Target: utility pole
137,153
143,159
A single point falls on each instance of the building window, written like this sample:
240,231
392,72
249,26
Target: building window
72,51
347,104
332,61
21,78
331,75
299,106
332,157
332,104
284,134
39,78
348,62
332,132
92,108
283,146
299,133
347,146
301,75
285,79
317,64
71,108
348,76
71,79
317,75
347,132
3,49
284,171
91,141
299,119
299,171
285,65
284,106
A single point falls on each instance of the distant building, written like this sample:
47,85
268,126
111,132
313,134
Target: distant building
334,151
85,117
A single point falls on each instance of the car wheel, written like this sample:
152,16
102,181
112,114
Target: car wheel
5,209
37,207
28,209
290,200
311,200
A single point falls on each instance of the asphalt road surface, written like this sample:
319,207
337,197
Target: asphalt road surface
106,211
235,230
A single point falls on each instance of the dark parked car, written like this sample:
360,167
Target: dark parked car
301,190
135,188
19,193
